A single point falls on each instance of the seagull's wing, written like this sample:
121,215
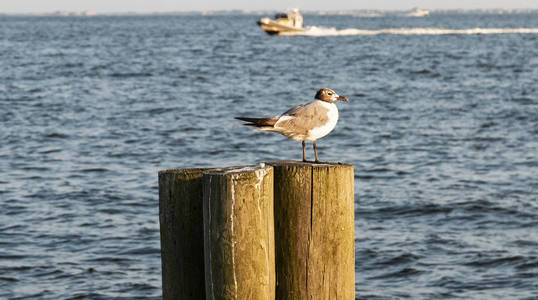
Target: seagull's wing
294,109
298,120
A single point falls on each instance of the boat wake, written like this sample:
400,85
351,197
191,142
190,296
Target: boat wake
325,31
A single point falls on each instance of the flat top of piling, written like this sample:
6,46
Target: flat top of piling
308,163
184,170
238,169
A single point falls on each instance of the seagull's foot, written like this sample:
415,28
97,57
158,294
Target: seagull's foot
312,161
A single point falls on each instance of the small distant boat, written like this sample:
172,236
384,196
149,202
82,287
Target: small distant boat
416,12
284,22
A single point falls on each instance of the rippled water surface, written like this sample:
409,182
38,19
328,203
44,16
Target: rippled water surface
442,130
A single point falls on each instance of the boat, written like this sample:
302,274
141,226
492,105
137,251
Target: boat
416,12
284,22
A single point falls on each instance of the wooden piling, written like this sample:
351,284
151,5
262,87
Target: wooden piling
314,230
182,238
239,233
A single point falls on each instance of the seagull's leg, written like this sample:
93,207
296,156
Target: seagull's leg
316,151
304,155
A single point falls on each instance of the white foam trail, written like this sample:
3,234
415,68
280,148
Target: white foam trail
324,31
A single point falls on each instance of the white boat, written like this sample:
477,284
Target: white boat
416,12
289,21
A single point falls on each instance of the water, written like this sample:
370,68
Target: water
442,130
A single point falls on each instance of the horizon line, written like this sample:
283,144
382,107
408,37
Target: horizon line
246,11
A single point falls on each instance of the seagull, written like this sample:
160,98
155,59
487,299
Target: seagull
305,122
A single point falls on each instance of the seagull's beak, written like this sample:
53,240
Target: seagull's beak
342,98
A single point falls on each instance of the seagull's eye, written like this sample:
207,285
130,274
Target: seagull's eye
330,94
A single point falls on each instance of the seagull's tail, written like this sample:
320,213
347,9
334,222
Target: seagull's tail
258,122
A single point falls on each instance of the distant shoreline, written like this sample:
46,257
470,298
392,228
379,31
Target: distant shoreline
360,12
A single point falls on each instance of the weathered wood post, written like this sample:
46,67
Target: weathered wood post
239,233
314,230
182,236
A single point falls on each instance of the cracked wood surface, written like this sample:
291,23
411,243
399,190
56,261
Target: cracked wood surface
314,230
218,232
239,233
182,236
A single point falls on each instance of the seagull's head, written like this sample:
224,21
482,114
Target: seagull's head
329,95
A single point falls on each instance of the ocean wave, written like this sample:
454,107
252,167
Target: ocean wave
326,31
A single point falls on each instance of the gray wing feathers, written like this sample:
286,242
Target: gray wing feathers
302,118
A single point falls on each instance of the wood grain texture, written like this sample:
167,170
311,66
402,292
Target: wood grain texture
239,233
182,238
314,230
